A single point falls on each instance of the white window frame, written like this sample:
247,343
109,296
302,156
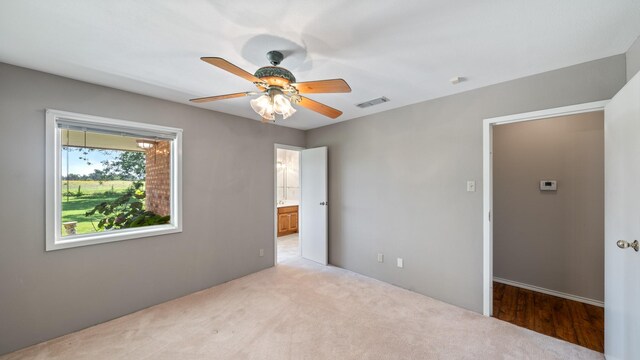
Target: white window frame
53,203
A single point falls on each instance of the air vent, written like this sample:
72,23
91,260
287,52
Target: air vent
377,101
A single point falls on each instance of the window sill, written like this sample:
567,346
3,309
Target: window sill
110,236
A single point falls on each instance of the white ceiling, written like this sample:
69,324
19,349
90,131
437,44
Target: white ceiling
406,50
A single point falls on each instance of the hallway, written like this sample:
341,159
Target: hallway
569,320
288,247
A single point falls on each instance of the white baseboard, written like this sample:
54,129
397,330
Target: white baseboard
549,292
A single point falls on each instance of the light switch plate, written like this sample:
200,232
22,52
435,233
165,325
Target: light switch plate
400,263
471,186
380,257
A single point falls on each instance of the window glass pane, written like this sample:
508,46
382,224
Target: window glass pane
113,182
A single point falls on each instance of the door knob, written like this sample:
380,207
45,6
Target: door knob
324,203
622,244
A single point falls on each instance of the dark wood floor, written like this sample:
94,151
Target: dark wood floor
569,320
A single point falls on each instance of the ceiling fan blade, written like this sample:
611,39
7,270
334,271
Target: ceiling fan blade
319,107
225,65
221,97
323,86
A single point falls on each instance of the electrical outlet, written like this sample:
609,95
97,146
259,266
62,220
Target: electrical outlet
380,258
261,252
400,263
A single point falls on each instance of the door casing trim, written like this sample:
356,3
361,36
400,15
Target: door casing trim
487,182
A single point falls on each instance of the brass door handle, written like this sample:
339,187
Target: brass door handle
622,244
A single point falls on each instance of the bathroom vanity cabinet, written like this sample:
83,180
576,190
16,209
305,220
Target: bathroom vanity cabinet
287,220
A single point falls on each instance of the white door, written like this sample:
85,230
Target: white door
314,201
622,222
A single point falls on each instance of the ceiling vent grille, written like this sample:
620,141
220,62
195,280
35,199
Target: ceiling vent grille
369,103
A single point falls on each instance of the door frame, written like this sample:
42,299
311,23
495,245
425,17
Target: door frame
487,182
275,195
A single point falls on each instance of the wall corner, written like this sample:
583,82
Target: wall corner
632,57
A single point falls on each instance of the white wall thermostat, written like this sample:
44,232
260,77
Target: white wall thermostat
548,185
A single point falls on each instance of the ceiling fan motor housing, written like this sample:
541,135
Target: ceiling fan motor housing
275,76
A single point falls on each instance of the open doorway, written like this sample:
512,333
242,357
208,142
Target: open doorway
287,203
544,200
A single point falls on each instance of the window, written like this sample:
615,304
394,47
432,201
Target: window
110,180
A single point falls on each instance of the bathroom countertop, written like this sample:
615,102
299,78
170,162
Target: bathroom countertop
288,203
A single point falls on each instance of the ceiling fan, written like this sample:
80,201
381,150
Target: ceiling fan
278,89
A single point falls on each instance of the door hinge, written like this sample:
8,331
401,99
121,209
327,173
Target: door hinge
489,215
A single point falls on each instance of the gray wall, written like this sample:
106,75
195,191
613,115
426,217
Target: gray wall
550,239
633,59
397,179
228,216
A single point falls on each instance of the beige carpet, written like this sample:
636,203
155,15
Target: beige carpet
301,310
288,247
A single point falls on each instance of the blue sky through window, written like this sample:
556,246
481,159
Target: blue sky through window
79,166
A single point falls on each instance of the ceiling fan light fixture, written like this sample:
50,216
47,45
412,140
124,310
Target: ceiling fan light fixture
263,106
280,103
282,106
274,102
261,103
290,111
269,115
